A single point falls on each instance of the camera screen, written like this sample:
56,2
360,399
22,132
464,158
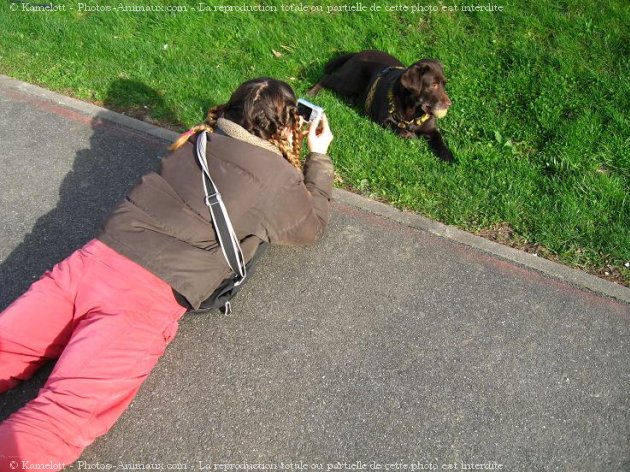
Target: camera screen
304,111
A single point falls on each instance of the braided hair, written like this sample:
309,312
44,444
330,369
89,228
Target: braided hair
266,108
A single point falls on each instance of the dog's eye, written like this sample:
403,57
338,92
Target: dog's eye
435,86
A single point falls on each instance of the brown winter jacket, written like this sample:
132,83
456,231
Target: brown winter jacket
164,225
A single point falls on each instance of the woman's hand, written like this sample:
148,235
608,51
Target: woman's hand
319,135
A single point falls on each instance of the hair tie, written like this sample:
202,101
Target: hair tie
187,134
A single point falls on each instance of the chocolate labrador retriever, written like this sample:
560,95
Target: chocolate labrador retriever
406,99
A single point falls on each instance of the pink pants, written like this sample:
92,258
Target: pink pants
108,320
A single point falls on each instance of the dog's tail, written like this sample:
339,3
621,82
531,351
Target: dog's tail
337,62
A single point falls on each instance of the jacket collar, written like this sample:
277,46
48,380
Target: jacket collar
233,130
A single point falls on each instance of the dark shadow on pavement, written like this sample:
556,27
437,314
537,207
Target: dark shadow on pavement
100,176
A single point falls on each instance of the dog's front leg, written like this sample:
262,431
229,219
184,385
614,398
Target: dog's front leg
436,143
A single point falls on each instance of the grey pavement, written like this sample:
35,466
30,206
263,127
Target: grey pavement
394,342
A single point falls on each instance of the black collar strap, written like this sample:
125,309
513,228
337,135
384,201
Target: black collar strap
370,96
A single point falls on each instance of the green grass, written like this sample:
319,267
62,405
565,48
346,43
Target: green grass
539,125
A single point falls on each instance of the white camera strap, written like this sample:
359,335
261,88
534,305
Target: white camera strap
221,220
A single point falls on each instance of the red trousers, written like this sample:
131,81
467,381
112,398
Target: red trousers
107,320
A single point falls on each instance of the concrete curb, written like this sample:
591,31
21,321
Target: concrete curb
549,268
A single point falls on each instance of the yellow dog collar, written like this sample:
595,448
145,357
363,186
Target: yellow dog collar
403,124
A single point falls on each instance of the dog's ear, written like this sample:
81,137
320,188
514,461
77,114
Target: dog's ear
412,77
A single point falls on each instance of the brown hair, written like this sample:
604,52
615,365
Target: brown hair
264,107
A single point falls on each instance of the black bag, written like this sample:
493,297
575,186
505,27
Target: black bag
222,296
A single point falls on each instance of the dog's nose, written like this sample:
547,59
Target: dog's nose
447,102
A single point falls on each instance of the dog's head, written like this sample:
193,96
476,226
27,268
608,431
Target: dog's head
425,81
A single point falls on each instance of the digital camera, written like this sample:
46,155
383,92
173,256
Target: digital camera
309,111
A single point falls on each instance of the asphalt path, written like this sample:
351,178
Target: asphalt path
383,347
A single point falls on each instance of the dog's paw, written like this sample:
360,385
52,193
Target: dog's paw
446,156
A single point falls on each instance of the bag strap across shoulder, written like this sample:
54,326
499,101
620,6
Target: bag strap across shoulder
220,219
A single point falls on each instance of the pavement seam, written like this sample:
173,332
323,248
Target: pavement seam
552,269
